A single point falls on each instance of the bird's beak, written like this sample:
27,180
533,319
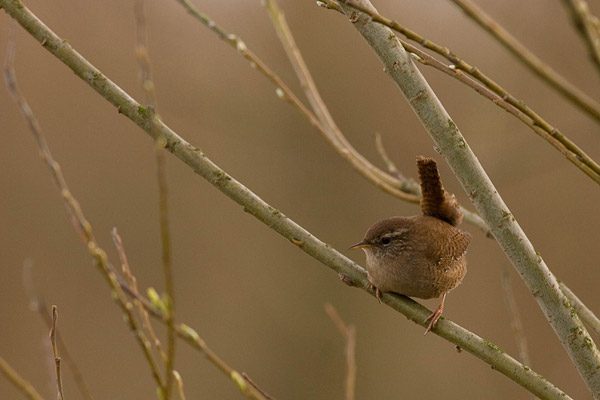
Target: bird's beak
360,245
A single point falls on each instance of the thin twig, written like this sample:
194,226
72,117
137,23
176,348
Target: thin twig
556,139
179,385
310,89
158,309
303,74
52,335
391,167
80,223
583,311
255,386
348,332
98,255
189,335
273,218
488,88
143,58
379,178
515,317
38,303
100,259
307,82
587,25
530,60
403,190
23,385
126,270
314,97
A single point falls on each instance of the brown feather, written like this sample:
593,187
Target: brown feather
435,201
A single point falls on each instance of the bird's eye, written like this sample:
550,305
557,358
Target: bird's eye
385,240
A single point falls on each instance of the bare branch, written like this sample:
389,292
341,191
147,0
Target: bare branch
348,332
18,381
391,167
530,60
583,311
98,255
52,336
80,223
251,382
179,382
38,304
126,270
515,317
587,25
143,57
489,89
379,178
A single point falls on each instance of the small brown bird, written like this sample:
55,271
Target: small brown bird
423,255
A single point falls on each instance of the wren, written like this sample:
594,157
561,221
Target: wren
421,256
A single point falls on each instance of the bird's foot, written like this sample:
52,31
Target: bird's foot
435,316
434,319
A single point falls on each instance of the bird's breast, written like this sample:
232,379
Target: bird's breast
408,276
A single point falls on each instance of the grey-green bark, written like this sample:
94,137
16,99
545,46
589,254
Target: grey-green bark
509,235
586,315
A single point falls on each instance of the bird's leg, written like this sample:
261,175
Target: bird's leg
435,315
377,292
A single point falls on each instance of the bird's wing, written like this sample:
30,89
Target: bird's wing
460,242
451,249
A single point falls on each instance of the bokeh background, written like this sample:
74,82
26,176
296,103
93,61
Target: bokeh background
254,297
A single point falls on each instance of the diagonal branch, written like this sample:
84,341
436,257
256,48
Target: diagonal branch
530,60
488,88
583,311
509,235
403,189
18,381
314,97
376,176
587,25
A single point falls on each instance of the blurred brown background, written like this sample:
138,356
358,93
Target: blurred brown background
250,294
